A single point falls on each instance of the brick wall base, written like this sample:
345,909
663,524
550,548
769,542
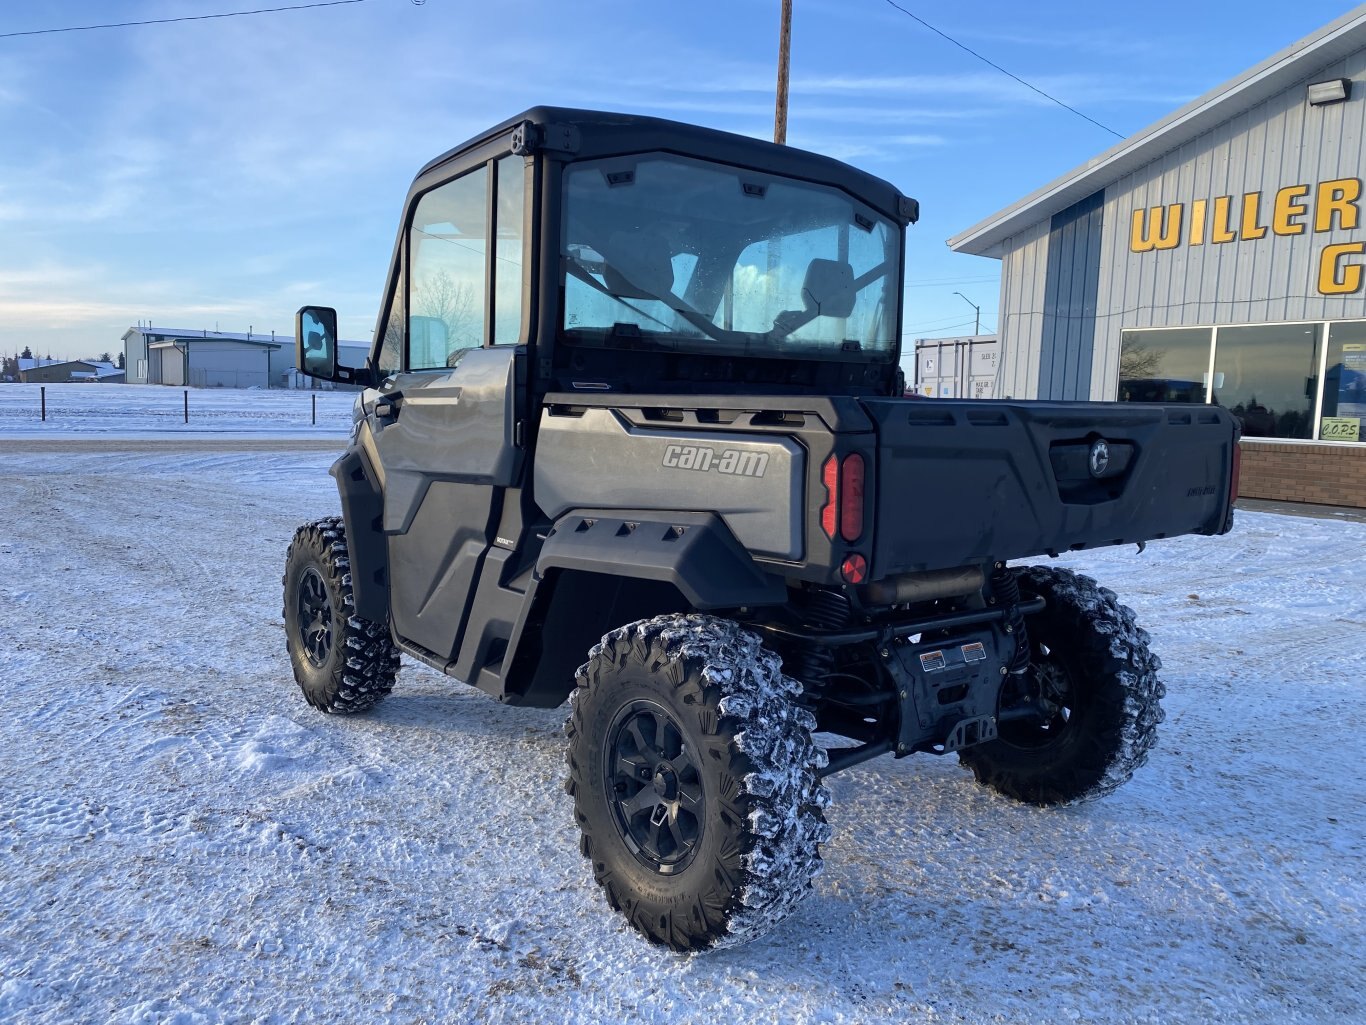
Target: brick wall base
1318,474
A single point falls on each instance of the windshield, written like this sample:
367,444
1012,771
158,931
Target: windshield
663,251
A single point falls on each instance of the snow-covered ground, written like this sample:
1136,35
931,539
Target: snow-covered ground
183,840
82,409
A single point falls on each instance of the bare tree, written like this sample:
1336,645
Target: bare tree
1137,362
452,302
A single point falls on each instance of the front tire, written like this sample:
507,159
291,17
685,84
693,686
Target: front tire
694,778
342,662
1095,679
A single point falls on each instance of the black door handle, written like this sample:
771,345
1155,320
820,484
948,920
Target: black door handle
387,406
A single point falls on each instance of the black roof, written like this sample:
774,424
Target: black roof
603,133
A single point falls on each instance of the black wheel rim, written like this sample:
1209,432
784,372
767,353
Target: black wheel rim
654,786
1050,694
315,617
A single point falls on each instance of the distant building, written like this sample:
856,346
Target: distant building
25,363
205,359
216,359
55,371
956,368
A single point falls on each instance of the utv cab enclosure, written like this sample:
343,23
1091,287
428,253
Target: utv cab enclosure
633,432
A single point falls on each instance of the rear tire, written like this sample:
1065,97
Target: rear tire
694,778
342,663
1091,668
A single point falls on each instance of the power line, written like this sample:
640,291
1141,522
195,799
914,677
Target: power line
907,332
941,282
188,17
940,333
942,320
984,60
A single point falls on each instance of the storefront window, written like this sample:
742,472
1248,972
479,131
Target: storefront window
1344,383
1267,377
1164,366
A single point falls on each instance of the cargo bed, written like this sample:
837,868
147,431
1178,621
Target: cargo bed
962,481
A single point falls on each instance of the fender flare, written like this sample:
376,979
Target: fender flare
362,512
696,552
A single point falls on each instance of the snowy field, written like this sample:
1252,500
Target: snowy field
183,840
82,409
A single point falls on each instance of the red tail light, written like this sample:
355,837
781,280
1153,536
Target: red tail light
830,477
851,497
842,513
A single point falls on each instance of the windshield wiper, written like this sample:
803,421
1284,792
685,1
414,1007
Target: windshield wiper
679,306
582,273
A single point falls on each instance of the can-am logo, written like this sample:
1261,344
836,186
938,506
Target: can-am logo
733,461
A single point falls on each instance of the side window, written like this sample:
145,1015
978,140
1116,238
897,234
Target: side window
507,268
447,272
388,362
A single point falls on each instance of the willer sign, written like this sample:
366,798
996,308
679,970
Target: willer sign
1332,205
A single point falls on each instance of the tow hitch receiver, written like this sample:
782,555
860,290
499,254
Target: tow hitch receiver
949,690
970,731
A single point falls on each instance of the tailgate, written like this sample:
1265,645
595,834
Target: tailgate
960,482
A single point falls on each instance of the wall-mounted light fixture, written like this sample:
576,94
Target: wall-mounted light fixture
1335,90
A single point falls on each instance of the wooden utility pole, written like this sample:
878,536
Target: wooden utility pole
780,111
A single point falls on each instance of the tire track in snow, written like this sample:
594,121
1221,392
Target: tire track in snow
49,815
422,860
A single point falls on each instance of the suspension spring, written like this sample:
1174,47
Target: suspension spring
812,663
1006,590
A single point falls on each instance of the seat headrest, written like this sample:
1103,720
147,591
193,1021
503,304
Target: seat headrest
828,290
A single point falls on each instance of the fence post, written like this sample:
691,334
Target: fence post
42,398
315,409
187,405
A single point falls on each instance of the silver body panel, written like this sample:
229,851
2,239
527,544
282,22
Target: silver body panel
754,482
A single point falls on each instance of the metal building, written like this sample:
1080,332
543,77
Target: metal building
206,359
201,358
1216,256
47,371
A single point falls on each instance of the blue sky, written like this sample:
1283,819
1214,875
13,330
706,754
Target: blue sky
222,173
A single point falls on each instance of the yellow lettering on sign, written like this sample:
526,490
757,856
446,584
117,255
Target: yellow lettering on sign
1222,230
1350,281
1337,197
1282,218
1333,205
1250,229
1198,222
1156,228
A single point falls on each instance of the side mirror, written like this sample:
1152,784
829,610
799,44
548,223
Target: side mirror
315,342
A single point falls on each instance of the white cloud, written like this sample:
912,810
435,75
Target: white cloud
67,307
857,149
